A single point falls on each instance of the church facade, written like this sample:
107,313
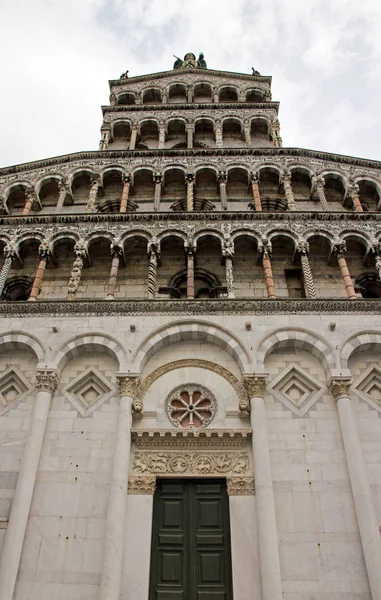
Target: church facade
190,379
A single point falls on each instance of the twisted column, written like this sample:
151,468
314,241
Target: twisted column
218,132
116,253
190,131
190,272
9,256
161,135
158,181
125,193
256,192
266,521
44,253
265,252
46,384
353,193
190,191
309,284
222,179
319,185
30,197
75,275
153,255
339,250
362,496
95,182
286,180
134,135
228,255
111,574
63,190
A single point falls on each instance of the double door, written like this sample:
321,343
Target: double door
190,554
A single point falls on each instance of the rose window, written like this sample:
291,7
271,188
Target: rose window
191,406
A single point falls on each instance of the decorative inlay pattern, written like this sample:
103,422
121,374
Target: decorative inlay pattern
88,391
13,387
368,387
296,389
190,406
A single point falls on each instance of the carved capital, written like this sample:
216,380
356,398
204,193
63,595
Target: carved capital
80,249
340,387
265,248
47,381
340,247
303,247
95,181
190,177
222,177
254,177
9,251
129,386
44,250
158,177
144,485
255,386
126,178
240,486
353,190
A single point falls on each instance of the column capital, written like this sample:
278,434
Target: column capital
134,126
255,385
353,189
45,250
31,194
340,247
158,177
80,249
95,180
126,178
115,248
129,384
153,247
189,126
264,248
340,387
318,180
190,177
222,177
285,177
47,380
303,247
255,177
9,251
228,249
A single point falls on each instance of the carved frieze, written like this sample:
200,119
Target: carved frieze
190,463
240,486
144,485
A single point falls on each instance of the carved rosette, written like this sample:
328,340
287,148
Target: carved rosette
340,388
131,386
240,486
145,485
47,381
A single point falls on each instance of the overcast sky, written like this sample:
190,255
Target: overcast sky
58,55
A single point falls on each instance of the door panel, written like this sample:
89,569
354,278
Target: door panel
190,556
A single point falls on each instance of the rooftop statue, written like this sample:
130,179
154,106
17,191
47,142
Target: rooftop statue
190,61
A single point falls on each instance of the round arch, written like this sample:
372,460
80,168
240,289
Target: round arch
20,340
96,341
204,330
296,338
368,340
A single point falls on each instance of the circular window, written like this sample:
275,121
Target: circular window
191,406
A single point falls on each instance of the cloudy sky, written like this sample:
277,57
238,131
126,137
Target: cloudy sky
57,57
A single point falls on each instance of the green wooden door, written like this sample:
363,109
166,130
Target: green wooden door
190,555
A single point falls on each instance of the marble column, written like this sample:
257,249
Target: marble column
247,133
153,257
164,97
377,261
30,198
116,253
9,256
190,191
189,93
267,529
47,382
309,284
286,180
353,193
125,193
44,253
215,94
228,255
190,272
265,251
362,496
218,132
339,250
222,179
95,182
319,185
75,275
63,190
256,192
275,129
158,182
190,131
161,135
111,574
134,135
103,144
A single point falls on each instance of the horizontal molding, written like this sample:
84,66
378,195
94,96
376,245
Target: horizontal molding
41,308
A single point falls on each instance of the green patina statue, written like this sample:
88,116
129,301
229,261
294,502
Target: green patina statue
190,61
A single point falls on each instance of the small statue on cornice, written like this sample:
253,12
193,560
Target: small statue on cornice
255,72
190,61
124,75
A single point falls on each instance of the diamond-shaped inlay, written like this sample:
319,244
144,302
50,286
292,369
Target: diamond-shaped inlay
13,387
296,389
368,387
88,391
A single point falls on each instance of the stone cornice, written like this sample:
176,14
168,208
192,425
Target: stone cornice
243,306
195,438
209,217
170,73
171,107
91,156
